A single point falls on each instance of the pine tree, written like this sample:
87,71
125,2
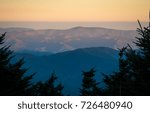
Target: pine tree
12,79
48,88
133,77
142,64
89,85
119,83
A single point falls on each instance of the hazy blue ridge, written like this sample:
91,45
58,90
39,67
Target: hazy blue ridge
70,64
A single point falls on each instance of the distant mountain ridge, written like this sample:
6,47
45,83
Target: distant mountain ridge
70,64
53,40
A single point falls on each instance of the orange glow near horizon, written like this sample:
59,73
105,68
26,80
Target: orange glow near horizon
74,10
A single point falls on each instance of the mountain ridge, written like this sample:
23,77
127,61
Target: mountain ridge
69,39
69,65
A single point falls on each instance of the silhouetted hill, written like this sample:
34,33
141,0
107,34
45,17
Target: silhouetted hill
69,65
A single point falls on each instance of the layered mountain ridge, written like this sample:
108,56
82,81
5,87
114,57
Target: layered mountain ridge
70,64
53,40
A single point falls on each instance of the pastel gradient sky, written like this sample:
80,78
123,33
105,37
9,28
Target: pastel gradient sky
74,10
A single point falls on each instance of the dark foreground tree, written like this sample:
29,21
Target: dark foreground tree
48,88
12,79
89,85
133,77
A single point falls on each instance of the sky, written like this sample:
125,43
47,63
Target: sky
74,10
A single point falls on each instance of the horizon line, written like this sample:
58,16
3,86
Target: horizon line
74,21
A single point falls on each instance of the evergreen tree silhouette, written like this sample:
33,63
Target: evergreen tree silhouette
48,88
12,79
133,77
89,85
119,83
